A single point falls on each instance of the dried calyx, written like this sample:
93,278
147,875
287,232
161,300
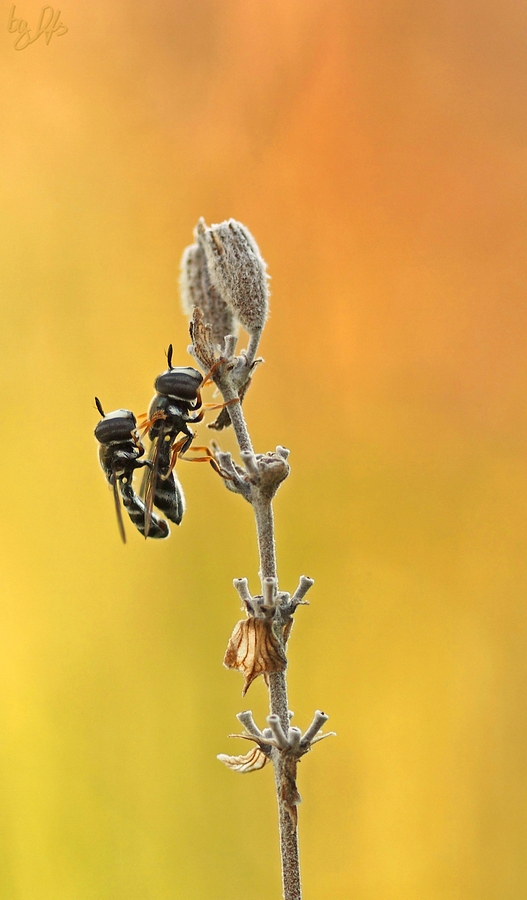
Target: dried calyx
254,649
290,744
257,643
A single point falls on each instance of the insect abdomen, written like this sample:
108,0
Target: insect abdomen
169,498
135,508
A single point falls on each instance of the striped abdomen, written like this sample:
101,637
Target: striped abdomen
169,498
135,508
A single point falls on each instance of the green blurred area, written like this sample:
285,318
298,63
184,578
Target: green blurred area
376,152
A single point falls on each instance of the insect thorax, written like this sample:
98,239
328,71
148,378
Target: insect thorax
177,414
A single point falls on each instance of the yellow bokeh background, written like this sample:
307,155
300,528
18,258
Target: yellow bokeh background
377,153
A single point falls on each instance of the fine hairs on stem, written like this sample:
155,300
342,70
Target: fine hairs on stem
224,284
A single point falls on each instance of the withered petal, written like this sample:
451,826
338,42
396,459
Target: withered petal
287,630
254,650
289,792
252,761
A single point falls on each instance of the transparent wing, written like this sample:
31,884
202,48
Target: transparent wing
149,482
147,469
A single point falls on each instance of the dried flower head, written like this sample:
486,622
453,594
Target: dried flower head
197,291
236,271
254,650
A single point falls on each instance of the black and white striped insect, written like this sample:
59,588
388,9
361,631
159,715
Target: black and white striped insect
171,411
120,453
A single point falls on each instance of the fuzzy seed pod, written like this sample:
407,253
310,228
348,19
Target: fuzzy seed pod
236,270
196,290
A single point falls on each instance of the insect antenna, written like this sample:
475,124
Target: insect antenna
169,356
99,407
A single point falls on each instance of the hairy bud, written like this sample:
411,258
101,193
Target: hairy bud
237,271
197,291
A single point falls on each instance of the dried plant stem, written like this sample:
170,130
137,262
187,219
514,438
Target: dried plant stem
238,422
252,347
258,643
288,843
263,512
288,829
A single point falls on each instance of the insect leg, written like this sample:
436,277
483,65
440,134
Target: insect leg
178,448
146,425
219,405
210,458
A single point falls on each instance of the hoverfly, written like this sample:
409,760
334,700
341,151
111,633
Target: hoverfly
177,397
120,455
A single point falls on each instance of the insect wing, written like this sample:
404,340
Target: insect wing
148,484
118,509
147,470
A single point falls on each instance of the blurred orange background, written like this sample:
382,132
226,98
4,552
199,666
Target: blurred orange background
377,153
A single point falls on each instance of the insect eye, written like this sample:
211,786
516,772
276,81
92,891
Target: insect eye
183,383
116,426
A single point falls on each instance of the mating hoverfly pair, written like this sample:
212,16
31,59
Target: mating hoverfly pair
174,407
